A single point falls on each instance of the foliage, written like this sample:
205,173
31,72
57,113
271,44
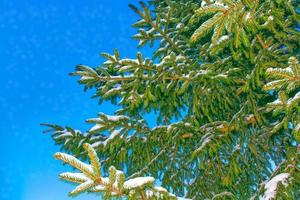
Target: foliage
114,185
224,84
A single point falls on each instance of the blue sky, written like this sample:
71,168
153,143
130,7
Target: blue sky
41,41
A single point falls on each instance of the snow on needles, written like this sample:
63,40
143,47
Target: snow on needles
138,182
103,119
105,142
294,99
96,127
271,186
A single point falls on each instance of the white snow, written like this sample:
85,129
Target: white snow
277,102
65,134
160,127
237,147
96,144
109,117
82,186
127,60
221,75
85,78
297,128
271,186
99,121
201,72
112,136
138,182
150,194
116,117
295,98
168,57
179,25
158,192
203,3
112,90
105,142
247,16
187,124
160,189
81,142
71,160
150,31
105,181
79,176
119,173
125,68
95,120
282,70
272,83
66,141
127,76
219,3
222,39
96,127
132,97
107,62
98,188
249,117
161,49
95,137
179,58
204,141
270,18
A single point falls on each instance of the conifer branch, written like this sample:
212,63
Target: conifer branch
288,83
148,19
113,186
176,48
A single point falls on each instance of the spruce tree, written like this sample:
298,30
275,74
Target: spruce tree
224,82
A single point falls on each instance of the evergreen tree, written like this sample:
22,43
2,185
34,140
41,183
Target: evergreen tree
224,82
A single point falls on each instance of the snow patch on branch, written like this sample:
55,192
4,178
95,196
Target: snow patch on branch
86,78
114,118
64,134
105,142
207,138
277,102
96,127
294,99
138,182
271,185
280,70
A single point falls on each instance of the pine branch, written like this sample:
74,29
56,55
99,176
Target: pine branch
148,19
115,185
287,82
